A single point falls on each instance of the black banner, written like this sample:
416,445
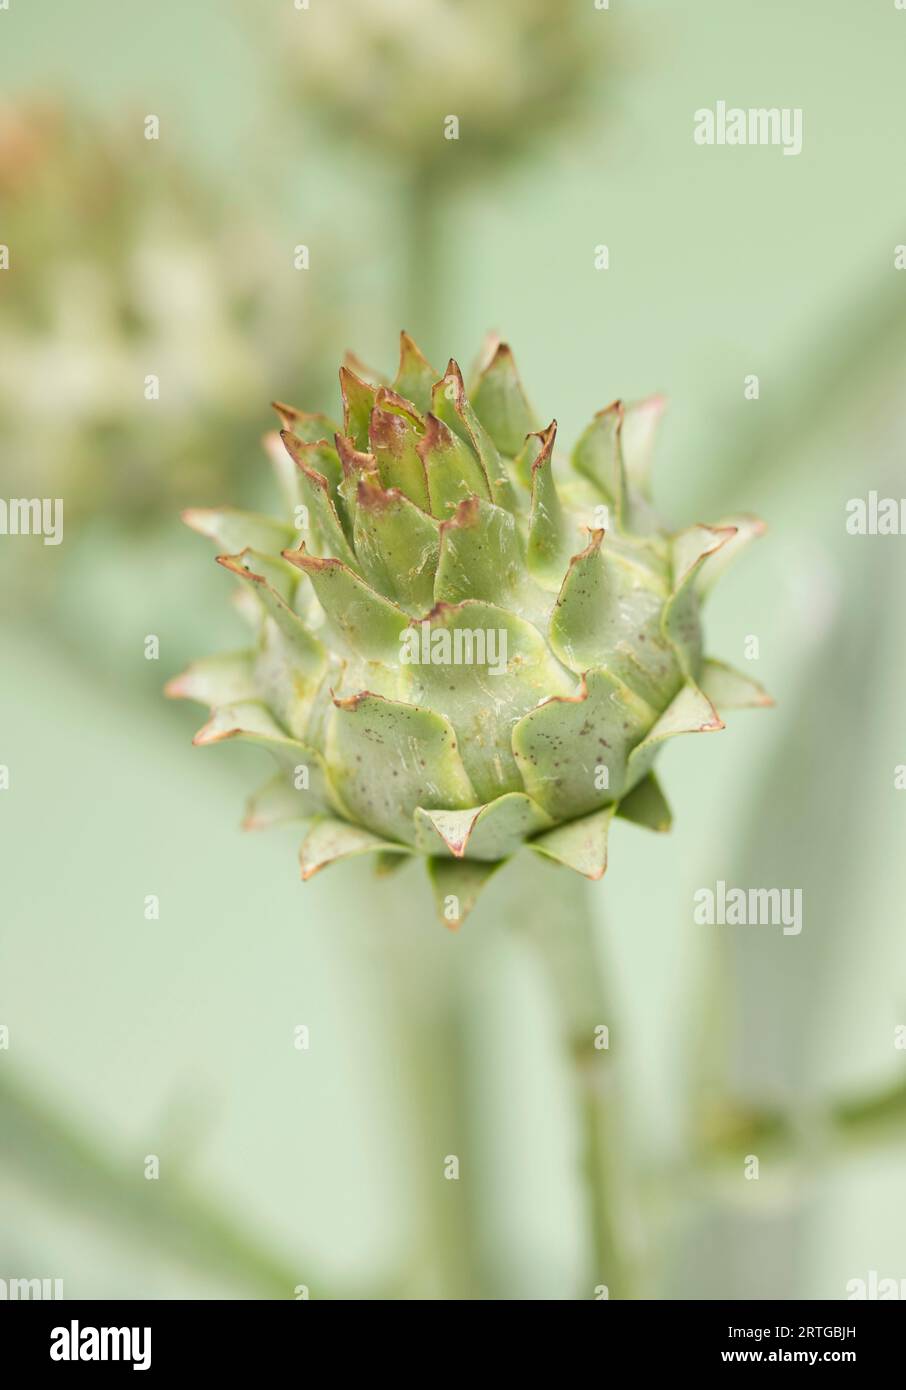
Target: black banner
185,1336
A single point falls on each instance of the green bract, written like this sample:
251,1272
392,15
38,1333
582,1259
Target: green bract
461,645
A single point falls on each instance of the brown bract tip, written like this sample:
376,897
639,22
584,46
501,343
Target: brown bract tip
349,378
311,564
547,439
300,453
440,610
386,396
616,408
350,703
454,374
721,534
465,515
371,495
386,429
409,348
209,733
290,414
234,563
596,536
579,698
436,436
353,460
458,844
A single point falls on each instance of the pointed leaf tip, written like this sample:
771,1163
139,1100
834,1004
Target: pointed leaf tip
233,529
369,622
309,426
215,680
415,376
358,403
457,885
500,403
330,840
731,689
551,538
647,806
739,531
580,845
451,468
488,833
598,456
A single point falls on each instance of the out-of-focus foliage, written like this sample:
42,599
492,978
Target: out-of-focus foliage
125,264
388,72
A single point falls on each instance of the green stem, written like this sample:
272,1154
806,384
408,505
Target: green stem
170,1216
567,939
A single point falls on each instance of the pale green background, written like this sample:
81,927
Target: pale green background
175,1038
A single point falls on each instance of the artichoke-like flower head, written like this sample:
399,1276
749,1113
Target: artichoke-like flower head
463,645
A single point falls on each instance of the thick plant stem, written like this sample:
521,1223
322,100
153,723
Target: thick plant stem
551,905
